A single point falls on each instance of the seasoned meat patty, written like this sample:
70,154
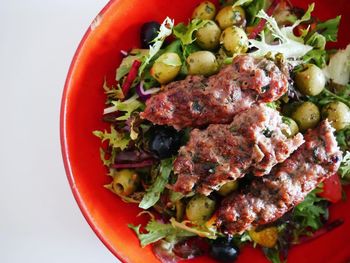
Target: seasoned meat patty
253,142
198,101
271,196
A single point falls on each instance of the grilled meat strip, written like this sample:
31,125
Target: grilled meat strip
253,142
271,196
198,101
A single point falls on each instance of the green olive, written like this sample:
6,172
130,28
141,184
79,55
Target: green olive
125,182
293,128
228,188
208,36
307,115
200,208
202,63
166,67
229,16
205,10
338,113
234,40
311,80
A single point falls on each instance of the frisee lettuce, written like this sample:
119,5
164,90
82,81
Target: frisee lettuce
127,107
201,231
344,169
115,138
309,212
157,231
185,33
165,30
291,46
152,194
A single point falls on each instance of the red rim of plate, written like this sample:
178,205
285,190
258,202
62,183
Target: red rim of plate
64,147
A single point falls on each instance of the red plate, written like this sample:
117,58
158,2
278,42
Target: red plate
117,27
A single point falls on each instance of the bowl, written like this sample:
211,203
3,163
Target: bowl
117,28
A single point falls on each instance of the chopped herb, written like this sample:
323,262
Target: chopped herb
267,133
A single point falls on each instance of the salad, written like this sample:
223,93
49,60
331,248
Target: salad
231,129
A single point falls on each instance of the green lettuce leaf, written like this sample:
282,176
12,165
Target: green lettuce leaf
116,139
329,29
317,57
157,231
317,40
309,212
153,192
127,107
165,30
241,2
327,96
344,169
272,254
343,138
113,92
252,10
185,33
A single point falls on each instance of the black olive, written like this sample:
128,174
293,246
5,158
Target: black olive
223,250
149,31
164,141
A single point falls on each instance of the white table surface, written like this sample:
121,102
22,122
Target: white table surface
39,218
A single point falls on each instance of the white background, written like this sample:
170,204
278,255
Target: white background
39,219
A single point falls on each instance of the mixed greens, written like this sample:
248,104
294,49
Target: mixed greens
139,155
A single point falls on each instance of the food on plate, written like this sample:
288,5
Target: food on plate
230,16
234,40
208,36
232,128
253,142
310,80
307,115
202,63
269,197
197,101
338,113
